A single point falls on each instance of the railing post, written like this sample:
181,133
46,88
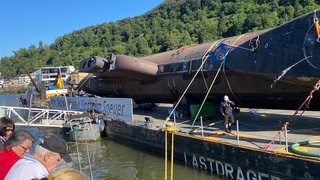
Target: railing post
286,137
238,141
201,126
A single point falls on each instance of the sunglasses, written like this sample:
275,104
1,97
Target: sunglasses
26,149
9,129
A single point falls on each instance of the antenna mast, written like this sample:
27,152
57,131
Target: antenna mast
26,71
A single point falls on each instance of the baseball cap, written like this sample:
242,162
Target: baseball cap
58,145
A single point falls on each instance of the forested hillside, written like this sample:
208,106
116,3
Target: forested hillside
171,25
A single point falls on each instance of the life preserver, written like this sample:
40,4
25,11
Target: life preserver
294,148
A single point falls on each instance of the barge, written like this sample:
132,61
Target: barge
252,152
258,147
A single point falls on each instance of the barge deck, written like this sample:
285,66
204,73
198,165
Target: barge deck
258,150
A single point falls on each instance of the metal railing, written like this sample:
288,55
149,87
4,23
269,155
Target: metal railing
24,116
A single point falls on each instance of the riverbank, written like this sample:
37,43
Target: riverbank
12,89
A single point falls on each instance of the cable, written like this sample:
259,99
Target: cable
204,58
77,146
165,155
305,103
90,167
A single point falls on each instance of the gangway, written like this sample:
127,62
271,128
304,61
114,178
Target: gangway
26,116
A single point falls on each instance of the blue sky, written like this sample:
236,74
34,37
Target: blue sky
25,23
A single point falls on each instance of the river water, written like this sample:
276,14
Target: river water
107,159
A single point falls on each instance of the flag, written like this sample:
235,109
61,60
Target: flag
58,81
221,52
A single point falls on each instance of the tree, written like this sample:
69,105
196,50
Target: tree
173,24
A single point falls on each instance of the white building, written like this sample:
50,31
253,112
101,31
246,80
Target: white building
1,80
48,75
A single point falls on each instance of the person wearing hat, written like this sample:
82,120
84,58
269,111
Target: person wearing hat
46,157
226,109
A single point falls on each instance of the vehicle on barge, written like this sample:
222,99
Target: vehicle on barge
271,68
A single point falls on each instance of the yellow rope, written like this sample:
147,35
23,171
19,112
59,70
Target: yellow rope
165,155
172,153
170,127
204,58
214,79
204,100
204,80
230,88
225,75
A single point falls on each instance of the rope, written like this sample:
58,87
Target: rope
283,72
230,88
89,161
306,37
87,148
305,103
77,146
169,128
304,44
307,58
204,80
204,58
224,72
83,82
166,155
209,90
214,79
172,153
317,26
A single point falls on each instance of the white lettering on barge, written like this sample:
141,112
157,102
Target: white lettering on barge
115,108
227,170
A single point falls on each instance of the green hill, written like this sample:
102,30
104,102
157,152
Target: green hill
172,24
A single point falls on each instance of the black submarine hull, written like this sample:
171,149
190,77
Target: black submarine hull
272,68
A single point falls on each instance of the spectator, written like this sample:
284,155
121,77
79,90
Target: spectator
6,128
46,157
18,144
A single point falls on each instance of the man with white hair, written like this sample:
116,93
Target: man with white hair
226,109
46,157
